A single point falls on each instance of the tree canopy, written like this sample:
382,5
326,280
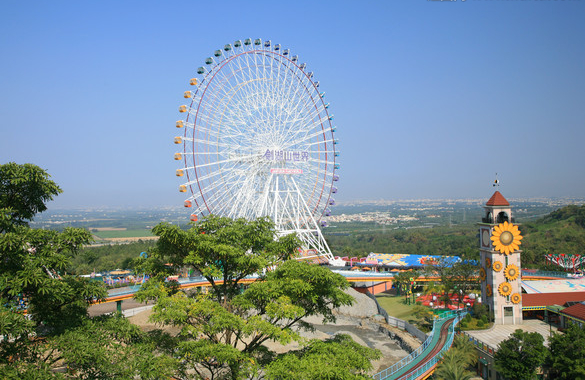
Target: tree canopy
24,191
567,354
519,356
222,332
455,363
56,333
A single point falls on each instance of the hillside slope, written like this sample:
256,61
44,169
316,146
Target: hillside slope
562,231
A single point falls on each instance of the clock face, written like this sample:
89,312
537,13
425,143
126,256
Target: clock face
485,238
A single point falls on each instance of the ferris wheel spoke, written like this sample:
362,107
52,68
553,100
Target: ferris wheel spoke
300,140
234,159
251,104
231,194
207,143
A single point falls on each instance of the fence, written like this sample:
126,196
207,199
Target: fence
399,323
383,375
132,312
486,348
543,273
433,362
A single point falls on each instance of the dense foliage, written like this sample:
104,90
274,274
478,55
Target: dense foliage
108,257
519,356
562,231
459,240
222,332
24,190
455,363
58,340
567,354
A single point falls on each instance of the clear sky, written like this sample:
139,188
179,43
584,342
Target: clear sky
430,98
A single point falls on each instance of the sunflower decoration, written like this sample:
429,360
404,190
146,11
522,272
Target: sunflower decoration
515,298
505,289
488,290
488,262
506,237
511,272
498,266
482,274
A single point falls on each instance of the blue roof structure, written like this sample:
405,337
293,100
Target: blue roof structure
405,260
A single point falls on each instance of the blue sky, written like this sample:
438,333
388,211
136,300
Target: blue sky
430,98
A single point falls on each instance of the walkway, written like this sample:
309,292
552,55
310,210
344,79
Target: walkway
498,333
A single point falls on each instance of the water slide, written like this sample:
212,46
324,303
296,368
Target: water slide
422,362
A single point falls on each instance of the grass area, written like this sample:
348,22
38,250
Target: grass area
123,234
396,307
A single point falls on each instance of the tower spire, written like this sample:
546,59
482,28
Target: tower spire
496,181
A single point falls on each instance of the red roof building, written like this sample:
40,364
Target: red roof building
542,300
576,311
497,200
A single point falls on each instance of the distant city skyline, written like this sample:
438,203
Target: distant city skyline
431,99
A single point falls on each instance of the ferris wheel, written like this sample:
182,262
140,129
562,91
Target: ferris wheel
258,140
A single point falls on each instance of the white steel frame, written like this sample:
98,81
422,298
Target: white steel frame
258,141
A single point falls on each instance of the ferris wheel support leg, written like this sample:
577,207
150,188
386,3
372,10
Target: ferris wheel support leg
308,235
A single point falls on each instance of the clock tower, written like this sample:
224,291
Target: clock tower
499,272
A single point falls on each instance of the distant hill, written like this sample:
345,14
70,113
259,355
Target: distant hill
561,231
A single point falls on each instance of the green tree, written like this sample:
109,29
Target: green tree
24,190
453,366
402,282
32,267
519,356
222,332
456,362
110,347
567,354
466,349
456,277
336,358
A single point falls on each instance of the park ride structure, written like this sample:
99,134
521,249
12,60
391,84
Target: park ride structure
258,141
569,262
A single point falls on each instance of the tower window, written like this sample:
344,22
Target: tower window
502,217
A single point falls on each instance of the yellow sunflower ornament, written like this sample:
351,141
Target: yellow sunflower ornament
482,274
505,289
515,298
488,290
511,272
506,238
498,266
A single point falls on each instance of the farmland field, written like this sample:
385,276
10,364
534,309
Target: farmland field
122,233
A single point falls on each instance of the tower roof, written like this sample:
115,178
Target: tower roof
497,200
